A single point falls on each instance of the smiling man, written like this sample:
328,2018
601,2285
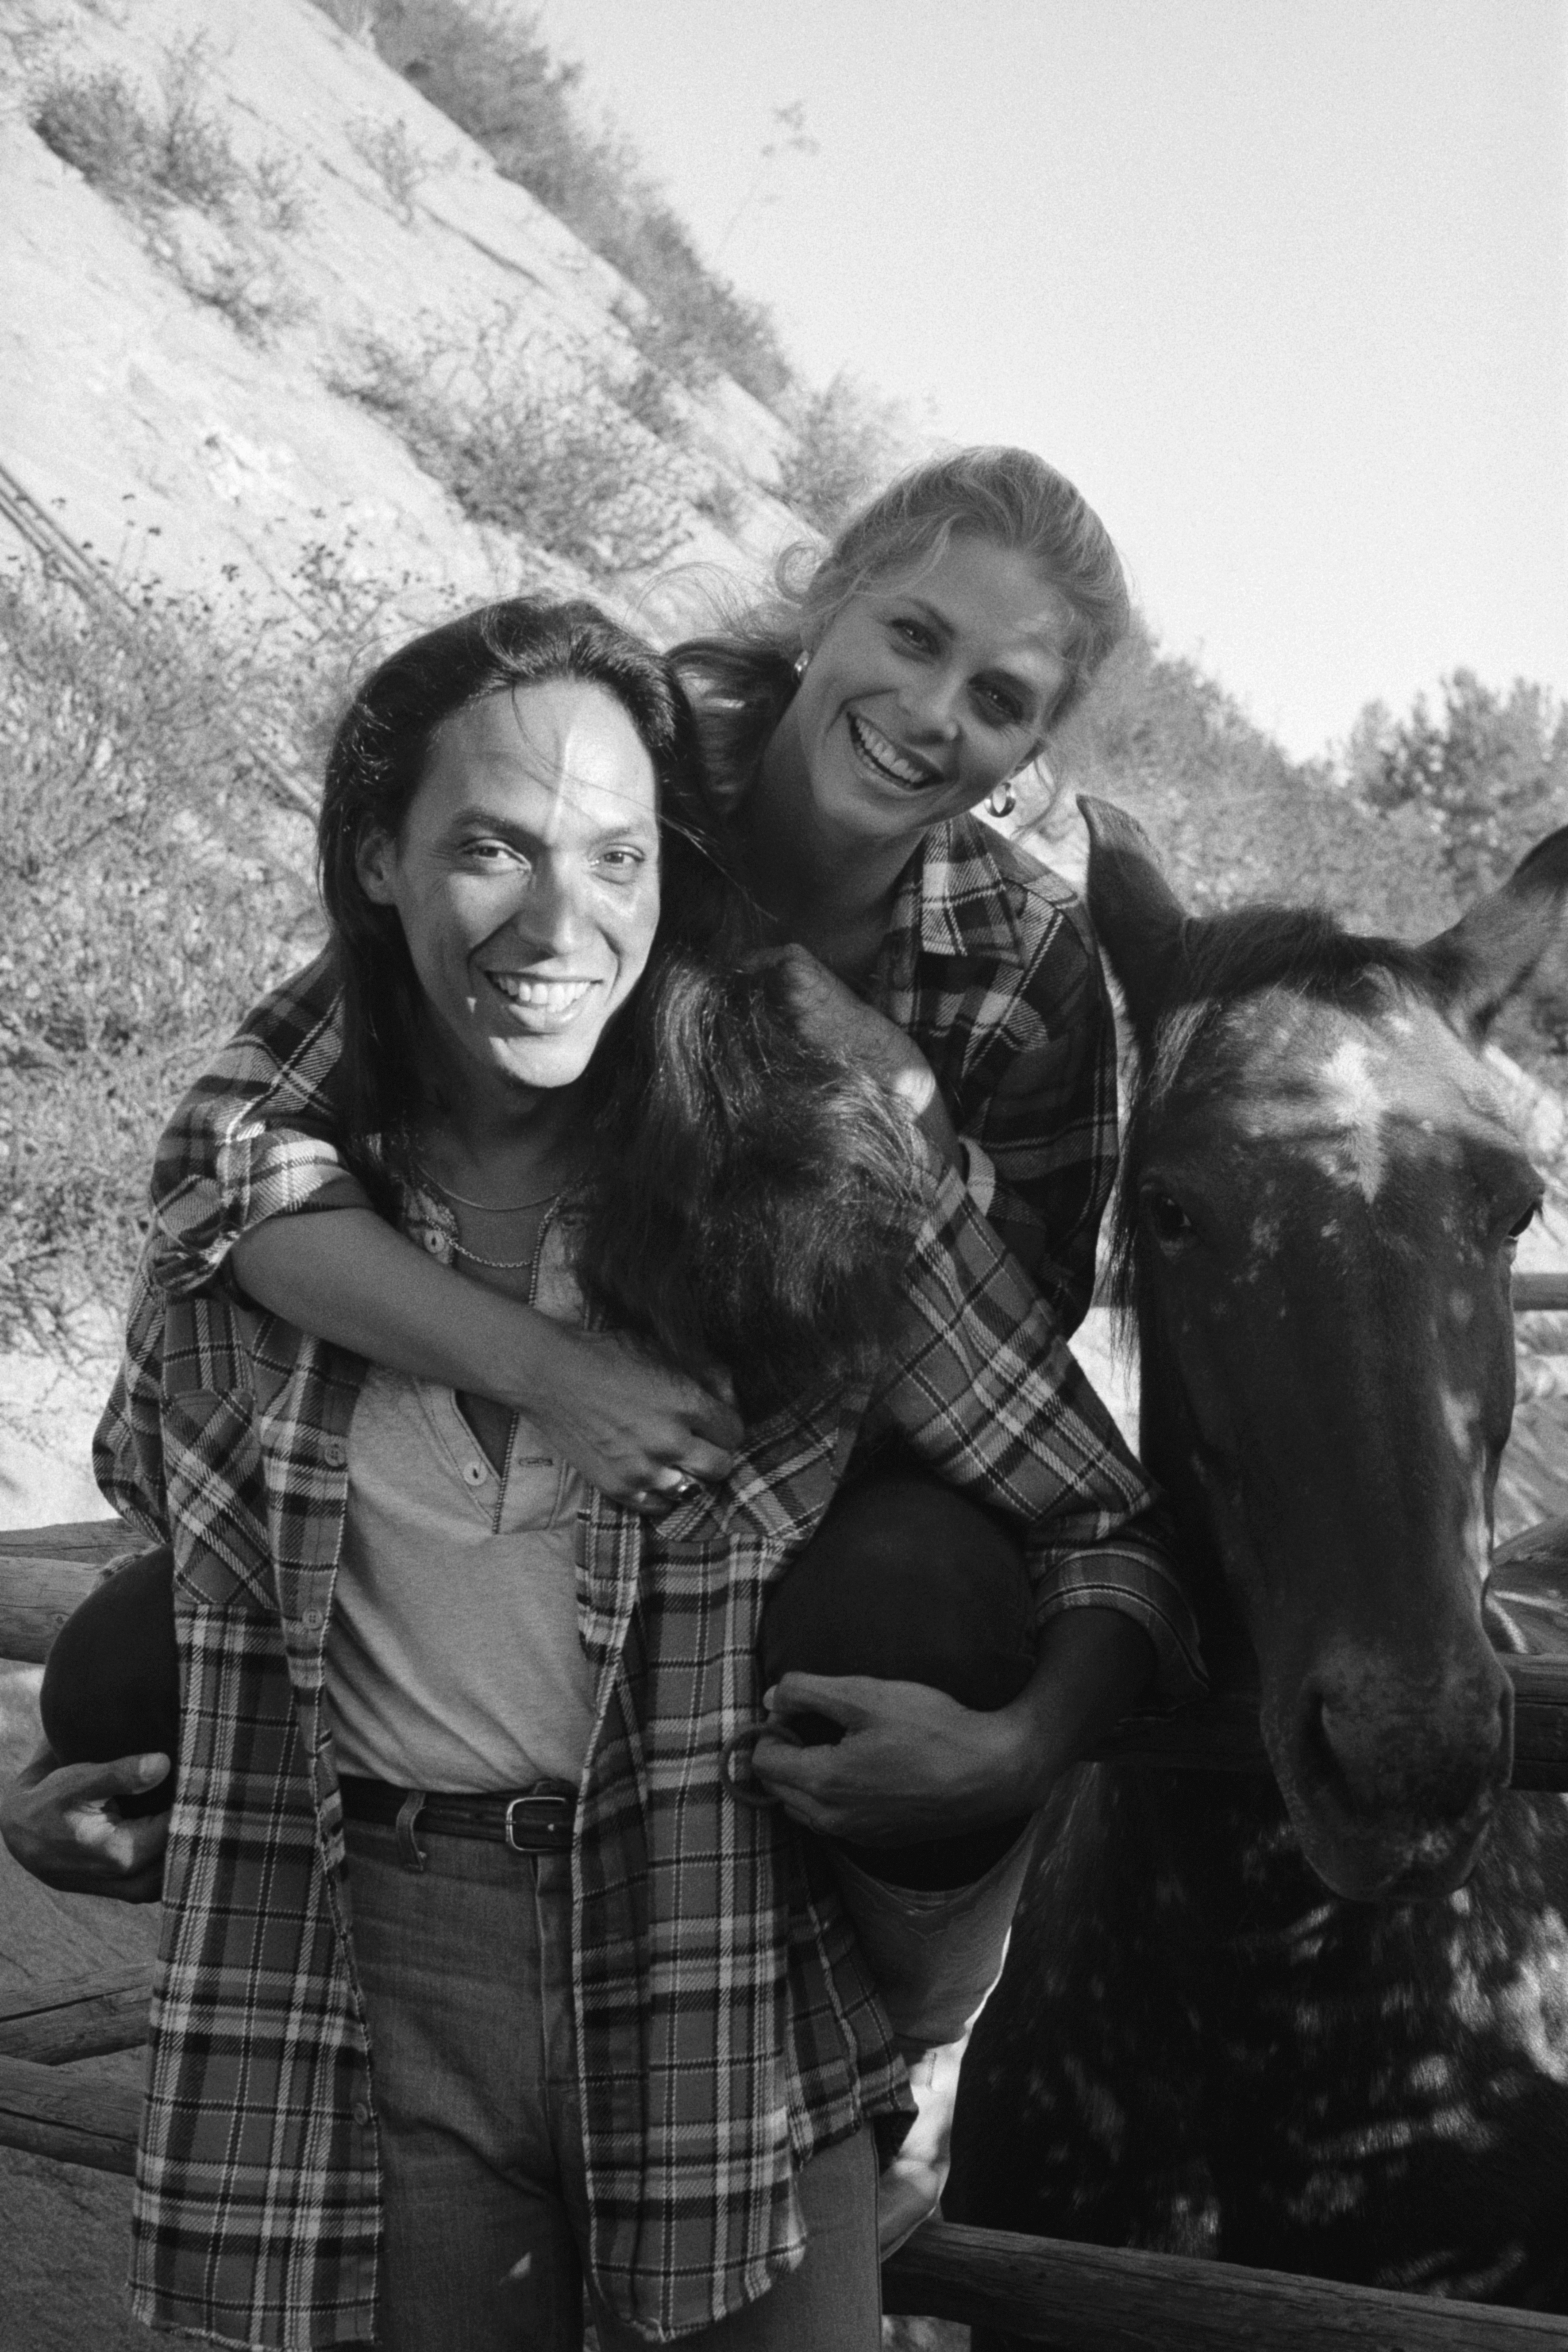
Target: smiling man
525,876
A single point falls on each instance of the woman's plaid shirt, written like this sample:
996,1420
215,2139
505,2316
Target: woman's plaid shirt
726,2026
990,965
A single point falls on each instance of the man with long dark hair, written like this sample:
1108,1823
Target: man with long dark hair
475,1979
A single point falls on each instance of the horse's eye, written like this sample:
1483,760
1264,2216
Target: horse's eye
1521,1225
1168,1221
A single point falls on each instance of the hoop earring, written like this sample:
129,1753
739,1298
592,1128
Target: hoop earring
1008,801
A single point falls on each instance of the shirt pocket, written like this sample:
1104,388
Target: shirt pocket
217,1497
1033,1068
542,1489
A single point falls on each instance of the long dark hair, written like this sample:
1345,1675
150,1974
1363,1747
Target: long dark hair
749,1200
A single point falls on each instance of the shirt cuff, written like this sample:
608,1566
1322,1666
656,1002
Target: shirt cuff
197,1223
1152,1602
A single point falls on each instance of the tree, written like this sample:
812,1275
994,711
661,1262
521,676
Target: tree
1232,816
1491,770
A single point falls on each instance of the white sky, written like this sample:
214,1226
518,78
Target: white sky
1282,284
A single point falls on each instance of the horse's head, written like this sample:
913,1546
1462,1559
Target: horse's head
1320,1196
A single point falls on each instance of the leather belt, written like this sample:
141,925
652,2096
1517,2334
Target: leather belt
536,1821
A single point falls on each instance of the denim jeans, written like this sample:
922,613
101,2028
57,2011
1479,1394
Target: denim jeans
466,1972
935,1953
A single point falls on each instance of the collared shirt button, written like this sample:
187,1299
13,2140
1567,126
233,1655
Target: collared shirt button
336,1453
361,2112
315,1619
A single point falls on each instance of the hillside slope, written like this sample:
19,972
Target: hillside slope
172,325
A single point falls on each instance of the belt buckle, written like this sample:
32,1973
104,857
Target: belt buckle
547,1812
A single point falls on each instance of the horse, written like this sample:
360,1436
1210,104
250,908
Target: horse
1316,2023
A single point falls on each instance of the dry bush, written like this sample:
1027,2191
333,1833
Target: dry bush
1234,818
148,155
844,443
528,439
392,155
150,886
485,67
207,217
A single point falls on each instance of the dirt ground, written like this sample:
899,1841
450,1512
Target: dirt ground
62,2250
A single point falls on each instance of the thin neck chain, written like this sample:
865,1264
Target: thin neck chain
500,1265
513,1209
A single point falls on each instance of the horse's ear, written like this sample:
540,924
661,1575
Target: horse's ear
1137,915
1490,953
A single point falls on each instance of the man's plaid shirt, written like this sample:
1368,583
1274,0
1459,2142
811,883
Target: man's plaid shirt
727,2026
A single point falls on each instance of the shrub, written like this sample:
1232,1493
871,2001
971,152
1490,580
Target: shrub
393,158
844,443
669,351
527,439
158,162
719,502
1232,816
1490,770
150,886
180,154
93,121
490,72
1487,774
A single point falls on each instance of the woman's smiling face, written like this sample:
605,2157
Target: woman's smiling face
526,879
926,691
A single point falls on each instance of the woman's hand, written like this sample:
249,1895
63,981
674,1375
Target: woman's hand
630,1425
62,1822
832,1016
633,1426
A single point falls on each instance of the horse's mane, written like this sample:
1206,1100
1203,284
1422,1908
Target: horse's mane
1222,959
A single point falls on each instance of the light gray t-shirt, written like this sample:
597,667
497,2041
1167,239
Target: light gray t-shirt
452,1660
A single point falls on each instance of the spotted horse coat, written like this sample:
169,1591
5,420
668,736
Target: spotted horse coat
1318,2023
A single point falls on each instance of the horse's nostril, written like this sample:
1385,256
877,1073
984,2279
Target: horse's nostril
1439,1754
1318,1750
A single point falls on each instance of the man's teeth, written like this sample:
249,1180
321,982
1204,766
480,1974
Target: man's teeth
885,755
549,995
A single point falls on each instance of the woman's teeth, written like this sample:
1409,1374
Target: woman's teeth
540,995
875,749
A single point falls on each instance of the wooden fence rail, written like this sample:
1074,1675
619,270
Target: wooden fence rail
1074,2298
1535,1294
1079,2298
88,2018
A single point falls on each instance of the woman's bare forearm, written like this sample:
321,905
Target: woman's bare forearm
346,1276
633,1426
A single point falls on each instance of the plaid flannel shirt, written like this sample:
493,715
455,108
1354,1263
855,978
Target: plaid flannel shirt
988,964
727,2026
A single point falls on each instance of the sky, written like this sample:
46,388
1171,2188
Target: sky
1281,284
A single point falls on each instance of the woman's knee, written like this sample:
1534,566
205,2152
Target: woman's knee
908,1580
112,1682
